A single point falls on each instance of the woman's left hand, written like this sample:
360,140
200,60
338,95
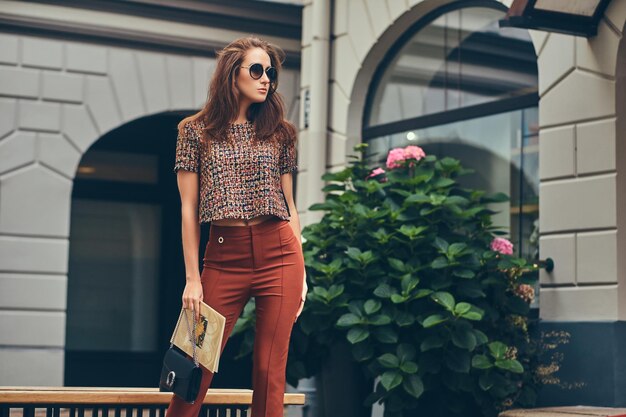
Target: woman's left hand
302,297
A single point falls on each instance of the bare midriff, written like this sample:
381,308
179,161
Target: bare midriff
242,222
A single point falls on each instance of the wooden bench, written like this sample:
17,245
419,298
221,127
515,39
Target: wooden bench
104,401
576,411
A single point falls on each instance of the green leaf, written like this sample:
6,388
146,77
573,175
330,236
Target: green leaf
380,320
456,248
357,334
417,198
372,306
481,362
396,264
439,262
445,299
481,338
409,367
441,245
510,365
406,352
389,360
463,337
497,349
413,385
431,342
433,320
385,335
404,319
464,273
462,308
383,291
391,379
474,314
348,320
397,298
485,381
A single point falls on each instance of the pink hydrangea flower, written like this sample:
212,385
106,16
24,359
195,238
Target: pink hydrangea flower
394,157
414,152
376,172
525,292
397,155
502,245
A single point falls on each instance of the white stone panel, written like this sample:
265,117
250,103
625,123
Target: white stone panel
539,38
8,48
101,103
307,25
8,109
584,203
599,53
42,53
39,115
347,63
337,144
579,303
396,8
17,150
78,126
56,152
305,74
153,79
45,328
48,363
580,96
360,29
340,21
88,58
180,82
40,292
562,249
19,82
43,210
595,146
616,13
557,152
379,15
38,255
556,59
63,86
203,69
596,257
124,78
338,117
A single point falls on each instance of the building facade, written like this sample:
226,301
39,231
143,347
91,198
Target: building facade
90,96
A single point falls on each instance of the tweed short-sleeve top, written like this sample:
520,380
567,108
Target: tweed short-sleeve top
238,178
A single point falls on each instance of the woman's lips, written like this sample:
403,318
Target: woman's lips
263,90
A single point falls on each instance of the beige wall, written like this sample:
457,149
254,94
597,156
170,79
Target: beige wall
580,208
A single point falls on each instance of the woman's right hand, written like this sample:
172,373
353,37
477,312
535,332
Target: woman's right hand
192,295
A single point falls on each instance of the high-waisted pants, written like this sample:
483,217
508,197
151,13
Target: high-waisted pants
264,261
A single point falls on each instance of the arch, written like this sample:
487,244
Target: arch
378,52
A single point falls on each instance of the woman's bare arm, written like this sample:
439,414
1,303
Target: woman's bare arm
188,189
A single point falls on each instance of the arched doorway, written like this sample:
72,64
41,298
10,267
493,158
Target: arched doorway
126,269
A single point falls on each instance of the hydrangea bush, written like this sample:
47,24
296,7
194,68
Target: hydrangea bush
407,268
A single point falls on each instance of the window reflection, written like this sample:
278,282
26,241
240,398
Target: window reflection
460,59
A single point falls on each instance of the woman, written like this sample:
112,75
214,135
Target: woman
234,164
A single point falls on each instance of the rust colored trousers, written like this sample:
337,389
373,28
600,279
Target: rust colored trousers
263,261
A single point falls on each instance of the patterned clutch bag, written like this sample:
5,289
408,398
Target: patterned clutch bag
209,331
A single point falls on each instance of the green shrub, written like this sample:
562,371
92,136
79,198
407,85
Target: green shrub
407,267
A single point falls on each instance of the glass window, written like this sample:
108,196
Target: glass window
457,60
462,87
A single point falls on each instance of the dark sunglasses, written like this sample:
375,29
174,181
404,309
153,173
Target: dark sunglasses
256,72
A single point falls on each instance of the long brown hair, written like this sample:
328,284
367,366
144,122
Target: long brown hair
222,104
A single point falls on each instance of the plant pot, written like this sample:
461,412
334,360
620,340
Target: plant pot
342,385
